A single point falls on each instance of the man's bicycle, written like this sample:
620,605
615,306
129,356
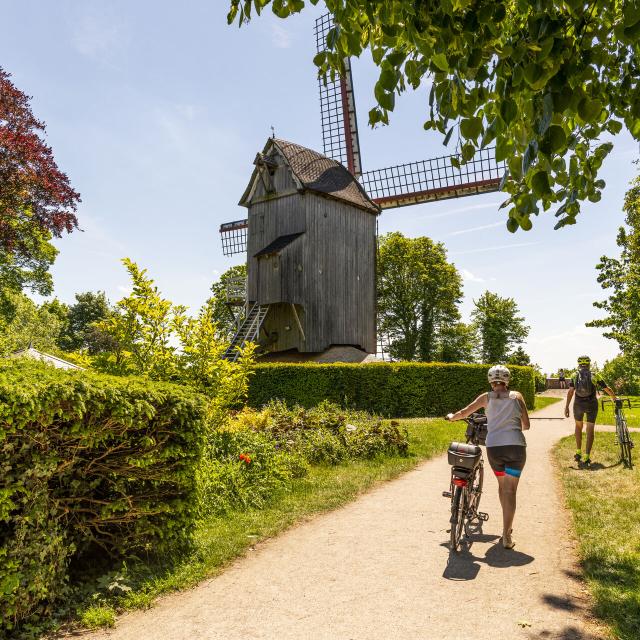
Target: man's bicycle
623,437
467,474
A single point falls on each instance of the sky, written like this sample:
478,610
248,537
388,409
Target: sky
156,109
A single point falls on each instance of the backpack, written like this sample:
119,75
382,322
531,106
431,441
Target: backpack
584,384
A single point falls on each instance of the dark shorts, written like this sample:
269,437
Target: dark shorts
585,409
507,460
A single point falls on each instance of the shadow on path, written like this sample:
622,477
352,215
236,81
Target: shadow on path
465,565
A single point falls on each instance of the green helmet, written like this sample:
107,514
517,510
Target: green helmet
584,360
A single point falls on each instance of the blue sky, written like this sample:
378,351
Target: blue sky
156,109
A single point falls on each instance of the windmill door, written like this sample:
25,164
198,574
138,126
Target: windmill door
269,279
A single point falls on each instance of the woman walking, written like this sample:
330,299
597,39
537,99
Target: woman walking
507,417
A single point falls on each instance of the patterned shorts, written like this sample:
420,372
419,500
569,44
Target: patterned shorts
507,459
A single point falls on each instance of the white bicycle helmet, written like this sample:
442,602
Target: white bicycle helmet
499,374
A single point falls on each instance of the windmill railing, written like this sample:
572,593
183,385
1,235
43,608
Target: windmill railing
433,179
236,290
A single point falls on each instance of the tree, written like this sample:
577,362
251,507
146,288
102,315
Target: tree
418,294
499,326
81,332
456,343
28,323
622,276
519,357
141,331
542,80
221,314
36,199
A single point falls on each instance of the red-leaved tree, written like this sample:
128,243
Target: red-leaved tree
33,191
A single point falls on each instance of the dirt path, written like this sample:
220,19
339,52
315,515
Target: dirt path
380,568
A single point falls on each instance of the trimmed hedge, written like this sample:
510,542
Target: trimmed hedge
91,466
392,389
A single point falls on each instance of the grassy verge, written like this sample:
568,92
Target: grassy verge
221,539
606,513
544,401
607,416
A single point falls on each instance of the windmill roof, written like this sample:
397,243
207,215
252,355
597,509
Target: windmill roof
315,172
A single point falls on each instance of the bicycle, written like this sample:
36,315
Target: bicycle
467,475
623,437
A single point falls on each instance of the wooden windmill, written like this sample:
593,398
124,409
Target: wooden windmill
310,235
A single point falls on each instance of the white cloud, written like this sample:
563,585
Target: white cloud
126,290
561,349
467,276
473,207
495,248
493,225
280,37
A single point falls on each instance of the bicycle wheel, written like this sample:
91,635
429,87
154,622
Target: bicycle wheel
624,441
625,446
458,512
475,492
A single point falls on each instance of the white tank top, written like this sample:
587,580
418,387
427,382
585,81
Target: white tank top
503,420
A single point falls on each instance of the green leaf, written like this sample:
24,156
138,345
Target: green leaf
471,128
388,79
529,156
440,61
385,99
508,110
445,142
540,183
512,225
532,73
468,151
589,110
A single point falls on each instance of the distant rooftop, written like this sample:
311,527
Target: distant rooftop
34,354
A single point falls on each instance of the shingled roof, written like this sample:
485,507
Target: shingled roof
315,172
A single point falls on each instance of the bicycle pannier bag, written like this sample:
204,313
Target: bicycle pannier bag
481,431
584,384
464,455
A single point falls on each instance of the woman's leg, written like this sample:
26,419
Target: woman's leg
578,434
507,488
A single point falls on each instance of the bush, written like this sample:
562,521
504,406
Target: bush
399,390
620,374
92,467
260,452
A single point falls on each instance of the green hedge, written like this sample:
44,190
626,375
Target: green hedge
398,390
91,466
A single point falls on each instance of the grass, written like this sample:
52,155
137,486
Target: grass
544,401
632,414
220,540
606,513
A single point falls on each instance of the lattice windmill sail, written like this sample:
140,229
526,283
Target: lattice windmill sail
404,184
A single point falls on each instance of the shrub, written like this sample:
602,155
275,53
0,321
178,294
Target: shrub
400,390
92,467
260,452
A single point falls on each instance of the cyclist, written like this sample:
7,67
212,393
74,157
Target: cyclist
507,417
585,390
561,377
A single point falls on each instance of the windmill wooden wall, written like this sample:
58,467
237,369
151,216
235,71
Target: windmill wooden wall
316,252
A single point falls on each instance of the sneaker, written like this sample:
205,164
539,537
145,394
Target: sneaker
578,458
587,463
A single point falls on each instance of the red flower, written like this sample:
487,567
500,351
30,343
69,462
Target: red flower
245,458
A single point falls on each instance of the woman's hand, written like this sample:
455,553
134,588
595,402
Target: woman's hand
566,412
449,417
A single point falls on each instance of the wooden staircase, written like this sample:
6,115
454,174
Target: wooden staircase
247,332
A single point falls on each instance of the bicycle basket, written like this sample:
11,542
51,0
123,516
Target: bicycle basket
477,431
464,455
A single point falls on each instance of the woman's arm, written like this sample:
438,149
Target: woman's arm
479,403
524,413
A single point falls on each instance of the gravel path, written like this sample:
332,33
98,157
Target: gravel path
380,568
